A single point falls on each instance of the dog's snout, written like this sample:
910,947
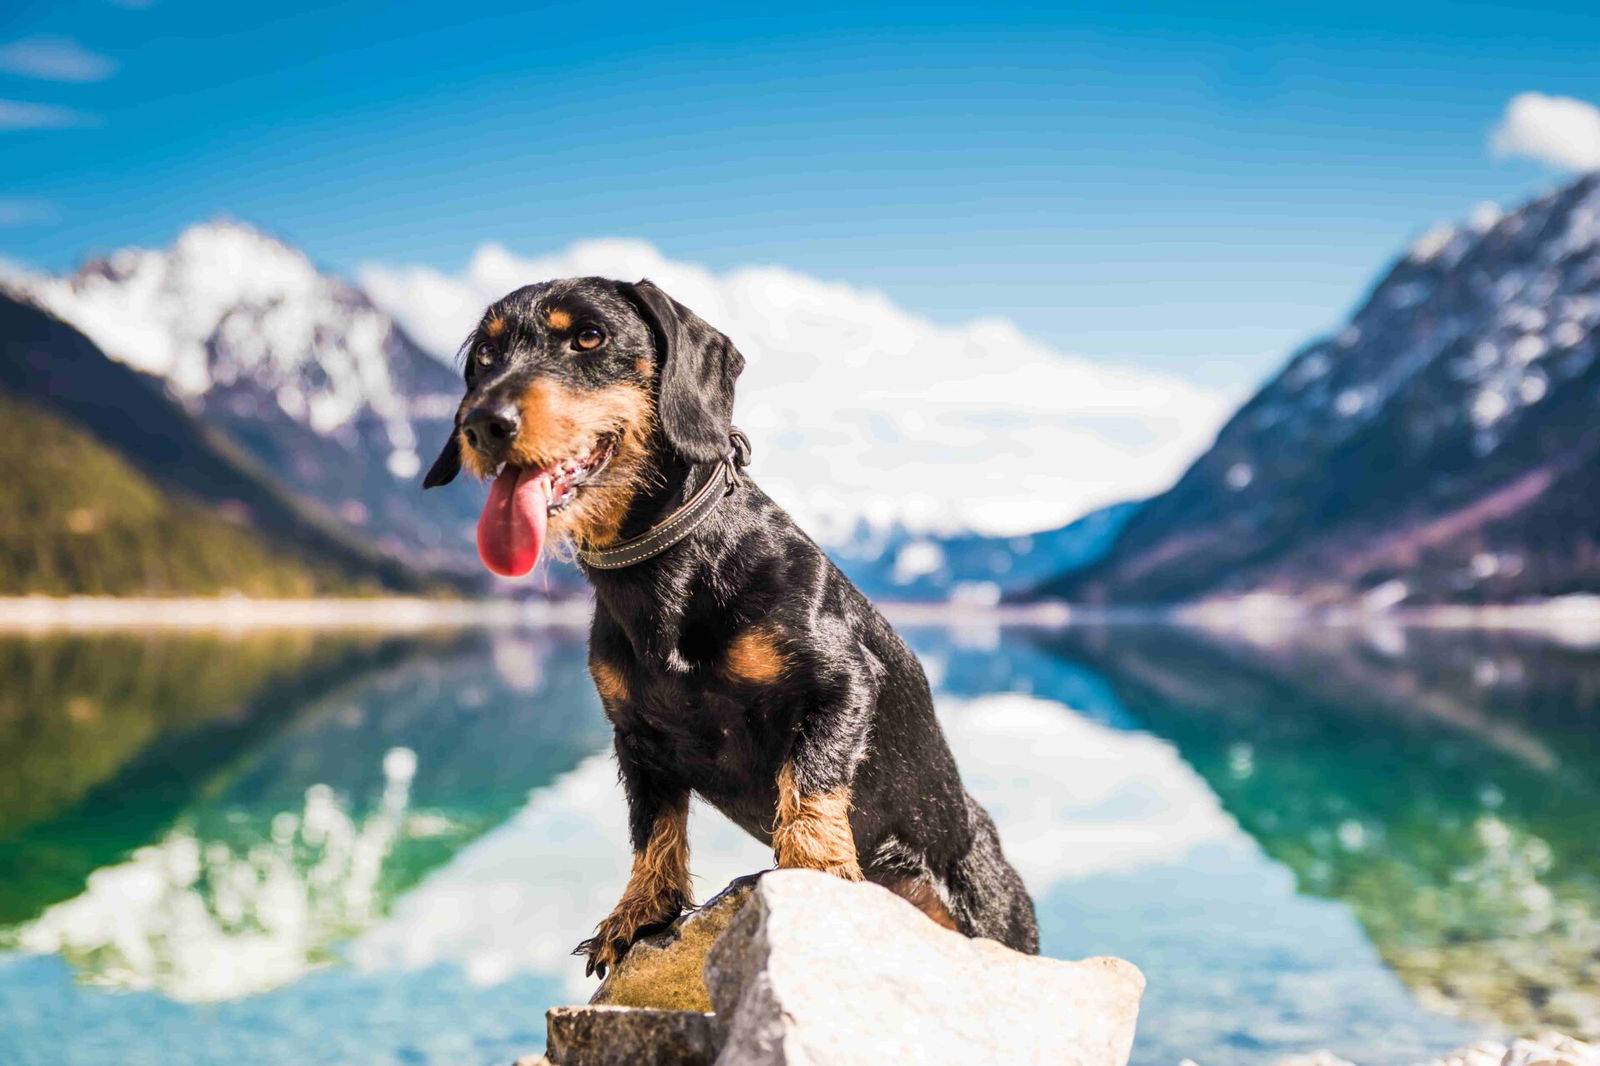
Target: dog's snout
490,429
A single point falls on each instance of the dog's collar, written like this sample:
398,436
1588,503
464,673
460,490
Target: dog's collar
680,523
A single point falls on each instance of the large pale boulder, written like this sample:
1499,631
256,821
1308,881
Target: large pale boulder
663,971
822,972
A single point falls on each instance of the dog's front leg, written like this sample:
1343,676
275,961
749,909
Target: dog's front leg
812,829
658,888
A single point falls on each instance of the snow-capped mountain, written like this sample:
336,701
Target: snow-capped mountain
1443,446
866,416
296,366
117,489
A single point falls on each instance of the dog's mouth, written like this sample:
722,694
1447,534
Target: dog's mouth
516,516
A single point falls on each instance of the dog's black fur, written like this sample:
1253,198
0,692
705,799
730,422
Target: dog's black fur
741,663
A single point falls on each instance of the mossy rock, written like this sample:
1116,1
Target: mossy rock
663,971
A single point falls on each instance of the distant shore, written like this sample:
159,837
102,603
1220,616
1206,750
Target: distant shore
35,613
1570,619
25,613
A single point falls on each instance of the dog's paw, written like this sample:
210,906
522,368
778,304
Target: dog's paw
601,954
612,939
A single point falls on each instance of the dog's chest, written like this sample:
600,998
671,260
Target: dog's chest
720,741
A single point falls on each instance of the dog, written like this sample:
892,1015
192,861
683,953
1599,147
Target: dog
732,658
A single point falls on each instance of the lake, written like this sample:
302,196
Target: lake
331,847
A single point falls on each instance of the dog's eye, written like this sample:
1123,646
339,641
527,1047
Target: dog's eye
484,356
589,338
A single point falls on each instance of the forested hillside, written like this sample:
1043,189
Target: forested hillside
77,518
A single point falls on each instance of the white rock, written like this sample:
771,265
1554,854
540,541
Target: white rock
821,972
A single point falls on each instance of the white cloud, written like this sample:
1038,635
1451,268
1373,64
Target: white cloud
1557,130
55,59
1073,799
859,408
26,115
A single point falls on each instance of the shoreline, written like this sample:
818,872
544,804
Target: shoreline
1574,620
400,613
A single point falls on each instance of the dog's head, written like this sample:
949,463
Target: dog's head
574,389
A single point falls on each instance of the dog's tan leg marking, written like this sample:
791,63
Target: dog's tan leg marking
813,832
658,889
921,895
608,681
754,656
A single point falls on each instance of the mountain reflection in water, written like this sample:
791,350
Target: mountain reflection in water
341,847
1445,785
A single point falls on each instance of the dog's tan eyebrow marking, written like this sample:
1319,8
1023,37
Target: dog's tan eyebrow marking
754,656
495,326
559,319
813,832
609,682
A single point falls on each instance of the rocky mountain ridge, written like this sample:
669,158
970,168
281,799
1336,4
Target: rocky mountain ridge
147,447
1440,447
296,366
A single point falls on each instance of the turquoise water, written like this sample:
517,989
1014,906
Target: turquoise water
328,848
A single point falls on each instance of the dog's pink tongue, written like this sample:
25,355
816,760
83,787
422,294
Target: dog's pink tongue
511,528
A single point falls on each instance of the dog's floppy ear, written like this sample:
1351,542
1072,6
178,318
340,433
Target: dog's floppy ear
447,466
698,369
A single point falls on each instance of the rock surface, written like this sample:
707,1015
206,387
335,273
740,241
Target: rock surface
819,971
663,971
628,1036
1546,1049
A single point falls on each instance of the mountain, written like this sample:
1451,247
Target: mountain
297,368
899,564
113,487
329,397
77,519
1442,447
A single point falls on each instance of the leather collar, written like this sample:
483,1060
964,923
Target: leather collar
680,523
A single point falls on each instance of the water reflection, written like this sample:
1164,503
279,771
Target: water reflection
346,847
277,804
1444,785
203,920
105,739
1072,798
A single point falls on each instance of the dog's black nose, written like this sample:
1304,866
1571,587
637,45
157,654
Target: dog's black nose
490,430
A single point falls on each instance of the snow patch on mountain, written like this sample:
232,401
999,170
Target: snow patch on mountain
1514,293
861,410
228,306
1446,429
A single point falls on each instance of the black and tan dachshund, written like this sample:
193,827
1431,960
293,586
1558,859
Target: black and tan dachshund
732,658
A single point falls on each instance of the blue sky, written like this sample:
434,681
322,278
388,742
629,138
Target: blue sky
1160,185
